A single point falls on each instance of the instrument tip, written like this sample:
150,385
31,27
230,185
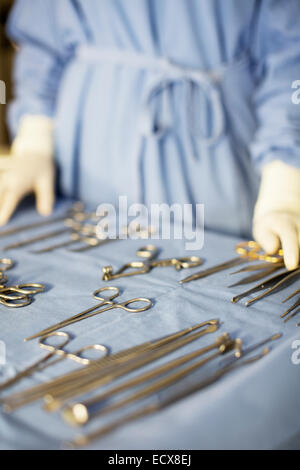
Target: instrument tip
184,281
276,336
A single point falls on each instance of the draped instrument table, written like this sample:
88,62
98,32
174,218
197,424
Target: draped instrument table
256,407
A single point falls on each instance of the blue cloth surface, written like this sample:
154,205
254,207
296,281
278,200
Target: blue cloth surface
169,101
255,407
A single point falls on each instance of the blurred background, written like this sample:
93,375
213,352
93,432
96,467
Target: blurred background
6,59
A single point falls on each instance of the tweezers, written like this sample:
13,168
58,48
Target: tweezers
264,271
270,285
214,269
293,307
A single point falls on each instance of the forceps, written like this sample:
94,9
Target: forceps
116,359
96,378
293,307
247,251
80,413
149,253
161,403
269,286
109,301
54,350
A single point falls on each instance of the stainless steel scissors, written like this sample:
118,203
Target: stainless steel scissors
53,351
107,302
149,253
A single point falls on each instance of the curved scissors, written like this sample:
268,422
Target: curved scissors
107,302
55,350
149,253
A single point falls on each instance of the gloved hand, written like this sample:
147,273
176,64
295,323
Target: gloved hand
276,219
29,168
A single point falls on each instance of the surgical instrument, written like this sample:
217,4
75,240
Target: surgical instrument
262,273
37,392
73,223
293,307
77,209
53,350
149,253
36,239
80,413
138,232
75,237
20,295
161,403
105,301
98,378
17,295
71,226
270,286
291,296
247,251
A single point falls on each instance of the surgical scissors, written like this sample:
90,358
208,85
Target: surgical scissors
54,350
149,253
247,251
106,302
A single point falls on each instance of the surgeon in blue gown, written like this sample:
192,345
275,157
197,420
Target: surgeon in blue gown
174,101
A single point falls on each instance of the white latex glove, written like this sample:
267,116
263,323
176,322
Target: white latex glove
276,219
29,168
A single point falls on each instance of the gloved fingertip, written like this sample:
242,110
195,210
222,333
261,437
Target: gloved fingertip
268,240
4,218
45,210
291,261
270,243
44,204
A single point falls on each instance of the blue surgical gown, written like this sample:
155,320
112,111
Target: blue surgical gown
163,101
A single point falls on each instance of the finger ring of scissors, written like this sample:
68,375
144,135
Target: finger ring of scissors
149,253
106,303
